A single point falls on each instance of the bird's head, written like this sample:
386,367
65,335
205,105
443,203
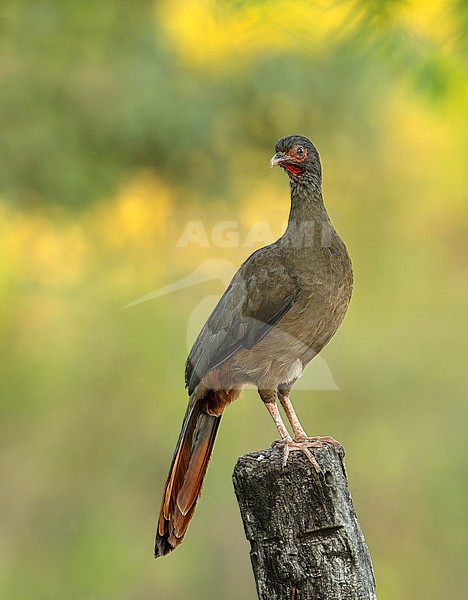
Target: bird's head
299,158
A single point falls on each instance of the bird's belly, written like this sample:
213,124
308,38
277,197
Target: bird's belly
283,353
275,359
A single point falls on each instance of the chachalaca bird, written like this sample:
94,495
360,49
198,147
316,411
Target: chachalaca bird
282,306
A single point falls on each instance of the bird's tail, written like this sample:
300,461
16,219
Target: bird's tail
186,475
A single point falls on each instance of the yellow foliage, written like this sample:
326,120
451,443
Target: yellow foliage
54,249
207,34
136,216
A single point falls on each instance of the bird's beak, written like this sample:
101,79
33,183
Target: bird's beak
277,159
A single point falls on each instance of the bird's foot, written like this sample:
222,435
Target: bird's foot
303,444
323,440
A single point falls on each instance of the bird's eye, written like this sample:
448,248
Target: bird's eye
300,151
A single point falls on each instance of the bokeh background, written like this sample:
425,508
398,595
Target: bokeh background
121,122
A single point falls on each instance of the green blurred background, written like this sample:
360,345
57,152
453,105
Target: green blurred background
120,121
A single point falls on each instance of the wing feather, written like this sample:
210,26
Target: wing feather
259,295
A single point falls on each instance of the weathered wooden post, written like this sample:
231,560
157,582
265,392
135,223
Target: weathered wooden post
306,542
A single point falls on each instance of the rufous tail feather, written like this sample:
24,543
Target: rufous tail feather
186,475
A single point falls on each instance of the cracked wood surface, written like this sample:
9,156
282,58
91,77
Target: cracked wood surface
306,542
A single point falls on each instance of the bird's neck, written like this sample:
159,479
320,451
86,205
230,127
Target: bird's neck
307,210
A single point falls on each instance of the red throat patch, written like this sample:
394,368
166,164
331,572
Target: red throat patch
293,169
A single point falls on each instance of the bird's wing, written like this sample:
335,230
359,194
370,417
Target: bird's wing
260,293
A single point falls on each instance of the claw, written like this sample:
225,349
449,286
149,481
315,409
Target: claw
285,454
311,457
302,446
321,440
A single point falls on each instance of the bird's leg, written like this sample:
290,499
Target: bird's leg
299,433
269,399
283,395
275,415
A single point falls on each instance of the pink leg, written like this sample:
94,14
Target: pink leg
287,442
299,433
